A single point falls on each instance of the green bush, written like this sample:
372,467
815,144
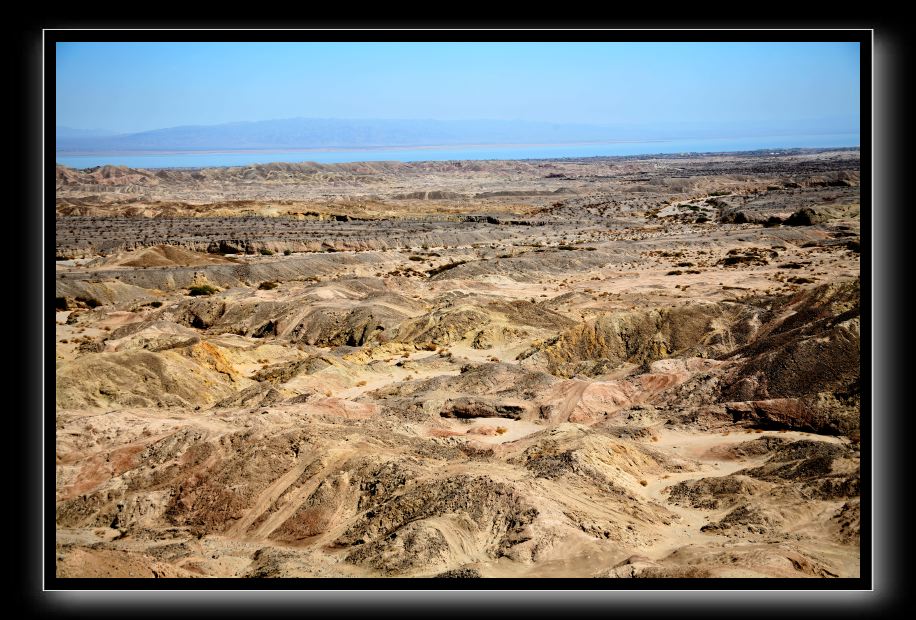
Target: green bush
203,289
287,252
266,252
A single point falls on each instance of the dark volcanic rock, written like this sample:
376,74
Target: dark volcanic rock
479,408
713,493
403,534
459,573
816,415
805,217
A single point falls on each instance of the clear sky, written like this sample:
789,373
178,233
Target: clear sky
127,87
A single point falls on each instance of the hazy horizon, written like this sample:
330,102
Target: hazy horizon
355,134
724,129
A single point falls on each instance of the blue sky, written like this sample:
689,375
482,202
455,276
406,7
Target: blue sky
127,87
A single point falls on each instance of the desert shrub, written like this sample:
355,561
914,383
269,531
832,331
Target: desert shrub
441,268
202,289
90,301
266,252
287,252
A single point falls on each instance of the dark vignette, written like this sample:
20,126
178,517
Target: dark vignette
28,321
893,156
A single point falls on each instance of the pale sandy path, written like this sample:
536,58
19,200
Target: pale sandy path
267,497
697,446
295,499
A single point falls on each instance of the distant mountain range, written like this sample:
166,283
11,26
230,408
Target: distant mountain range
307,133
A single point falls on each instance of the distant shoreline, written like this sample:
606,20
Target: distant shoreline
216,158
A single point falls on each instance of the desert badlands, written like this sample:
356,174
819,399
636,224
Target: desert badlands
605,367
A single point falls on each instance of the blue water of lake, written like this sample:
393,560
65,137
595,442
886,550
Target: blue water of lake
206,159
